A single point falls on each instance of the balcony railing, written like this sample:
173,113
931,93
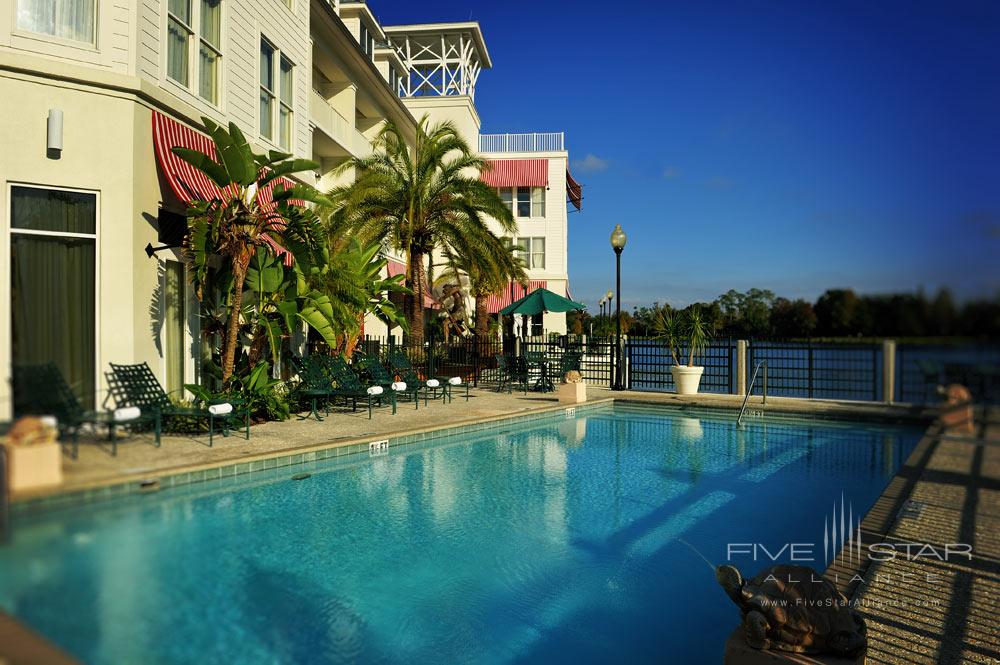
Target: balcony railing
534,142
337,126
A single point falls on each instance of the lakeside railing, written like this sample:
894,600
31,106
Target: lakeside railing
796,368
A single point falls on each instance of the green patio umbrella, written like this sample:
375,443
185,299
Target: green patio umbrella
538,301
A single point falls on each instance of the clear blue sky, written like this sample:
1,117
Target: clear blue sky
794,146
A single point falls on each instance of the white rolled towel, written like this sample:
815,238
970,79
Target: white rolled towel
49,421
375,390
455,381
126,413
433,383
399,386
220,409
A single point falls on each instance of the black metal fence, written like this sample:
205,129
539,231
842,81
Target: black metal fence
648,363
826,371
796,368
920,368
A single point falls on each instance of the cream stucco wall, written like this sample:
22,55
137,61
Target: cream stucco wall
107,150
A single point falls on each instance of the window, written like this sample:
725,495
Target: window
532,252
182,27
538,202
276,100
367,42
394,79
52,294
507,196
524,201
66,19
210,50
285,107
266,90
538,253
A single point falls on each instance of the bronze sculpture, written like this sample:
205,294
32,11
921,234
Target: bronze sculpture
792,608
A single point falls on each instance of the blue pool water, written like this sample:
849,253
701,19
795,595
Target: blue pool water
556,541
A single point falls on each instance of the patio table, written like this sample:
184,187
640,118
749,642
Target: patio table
541,361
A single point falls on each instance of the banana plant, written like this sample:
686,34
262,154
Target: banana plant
237,222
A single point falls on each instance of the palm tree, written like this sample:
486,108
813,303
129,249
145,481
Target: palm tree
237,222
419,199
490,265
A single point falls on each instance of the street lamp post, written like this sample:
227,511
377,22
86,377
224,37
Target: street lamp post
618,240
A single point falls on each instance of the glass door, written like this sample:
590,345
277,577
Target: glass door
174,320
53,250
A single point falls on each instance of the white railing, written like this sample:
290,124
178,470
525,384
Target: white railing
534,142
337,126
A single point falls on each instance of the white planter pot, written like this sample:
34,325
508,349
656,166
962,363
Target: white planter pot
687,378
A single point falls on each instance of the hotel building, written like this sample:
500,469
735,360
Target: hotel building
93,93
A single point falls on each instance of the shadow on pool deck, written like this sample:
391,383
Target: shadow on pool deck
921,609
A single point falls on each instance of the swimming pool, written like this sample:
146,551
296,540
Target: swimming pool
551,541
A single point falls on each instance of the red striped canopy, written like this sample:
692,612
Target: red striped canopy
574,191
517,173
512,294
188,183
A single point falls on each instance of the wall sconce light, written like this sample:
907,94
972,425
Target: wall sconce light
54,142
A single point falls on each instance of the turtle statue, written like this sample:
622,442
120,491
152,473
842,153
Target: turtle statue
791,608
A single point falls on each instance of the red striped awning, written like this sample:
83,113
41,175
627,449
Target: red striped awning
517,173
188,183
574,191
512,293
398,268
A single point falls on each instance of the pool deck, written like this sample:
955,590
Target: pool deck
948,491
920,608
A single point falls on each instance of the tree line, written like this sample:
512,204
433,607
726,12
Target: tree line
759,313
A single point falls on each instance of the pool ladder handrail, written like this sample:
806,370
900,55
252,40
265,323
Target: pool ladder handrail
4,498
753,379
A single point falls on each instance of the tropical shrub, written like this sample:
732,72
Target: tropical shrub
419,199
239,222
681,330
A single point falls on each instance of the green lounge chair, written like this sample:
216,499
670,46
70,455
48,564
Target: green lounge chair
350,387
136,385
511,371
519,372
569,361
378,375
42,390
401,365
314,385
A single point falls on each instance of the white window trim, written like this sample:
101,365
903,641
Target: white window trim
193,86
94,45
530,216
528,246
7,357
277,102
192,330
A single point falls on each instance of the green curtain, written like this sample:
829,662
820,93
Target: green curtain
52,285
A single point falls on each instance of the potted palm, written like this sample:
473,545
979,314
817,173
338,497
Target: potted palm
680,330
